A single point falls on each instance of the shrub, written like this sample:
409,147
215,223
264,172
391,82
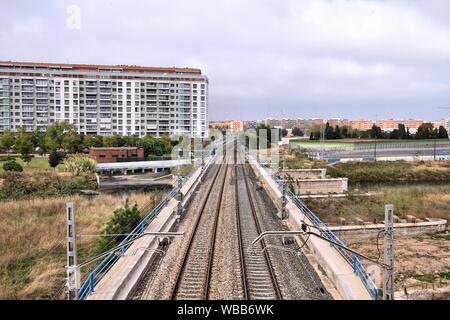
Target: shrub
42,185
80,164
55,159
123,221
12,166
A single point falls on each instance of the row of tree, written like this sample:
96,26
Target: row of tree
425,131
61,139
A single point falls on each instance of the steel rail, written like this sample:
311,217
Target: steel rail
239,236
192,236
258,227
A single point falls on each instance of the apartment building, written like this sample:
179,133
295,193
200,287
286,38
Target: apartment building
233,126
361,124
104,100
391,124
334,122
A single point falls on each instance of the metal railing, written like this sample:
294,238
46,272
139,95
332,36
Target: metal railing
352,259
106,264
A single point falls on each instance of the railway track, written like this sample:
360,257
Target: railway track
193,278
258,277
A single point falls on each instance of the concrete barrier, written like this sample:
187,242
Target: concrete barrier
355,233
305,173
320,186
334,265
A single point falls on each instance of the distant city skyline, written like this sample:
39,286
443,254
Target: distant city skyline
348,59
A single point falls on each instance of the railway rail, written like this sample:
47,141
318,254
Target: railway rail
258,276
193,278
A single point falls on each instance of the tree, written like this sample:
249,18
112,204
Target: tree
7,140
72,142
376,132
297,132
394,134
93,141
284,133
114,141
168,145
55,134
123,221
329,132
442,134
425,131
402,131
54,159
311,136
24,146
337,133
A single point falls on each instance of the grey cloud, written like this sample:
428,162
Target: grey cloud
264,58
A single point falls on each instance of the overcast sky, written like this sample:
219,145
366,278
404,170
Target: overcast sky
264,58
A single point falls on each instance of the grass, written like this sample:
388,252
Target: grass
184,170
301,161
35,165
32,241
422,201
391,171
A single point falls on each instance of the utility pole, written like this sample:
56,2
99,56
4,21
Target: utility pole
179,195
284,214
434,150
73,271
388,273
203,154
375,155
322,140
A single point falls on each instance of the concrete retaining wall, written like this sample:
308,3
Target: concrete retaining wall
356,233
336,268
305,173
320,186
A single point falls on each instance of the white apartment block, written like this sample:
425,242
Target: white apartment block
104,100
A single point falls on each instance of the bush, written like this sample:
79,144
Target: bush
12,166
42,185
123,221
80,164
55,159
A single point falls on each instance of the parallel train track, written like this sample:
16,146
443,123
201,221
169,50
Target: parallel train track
258,276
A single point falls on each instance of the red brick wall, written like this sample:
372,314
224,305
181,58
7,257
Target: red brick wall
110,155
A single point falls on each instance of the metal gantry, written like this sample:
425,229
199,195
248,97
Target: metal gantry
73,271
388,273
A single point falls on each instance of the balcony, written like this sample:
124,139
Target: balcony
27,89
91,84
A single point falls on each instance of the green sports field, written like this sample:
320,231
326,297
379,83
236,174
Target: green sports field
362,142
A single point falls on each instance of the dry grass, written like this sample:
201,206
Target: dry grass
422,201
420,262
32,240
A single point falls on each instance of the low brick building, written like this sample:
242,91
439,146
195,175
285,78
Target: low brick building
110,155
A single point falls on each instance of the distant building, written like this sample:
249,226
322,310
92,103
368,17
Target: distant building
334,122
111,155
361,124
391,124
233,126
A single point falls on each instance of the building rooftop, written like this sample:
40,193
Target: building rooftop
92,67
